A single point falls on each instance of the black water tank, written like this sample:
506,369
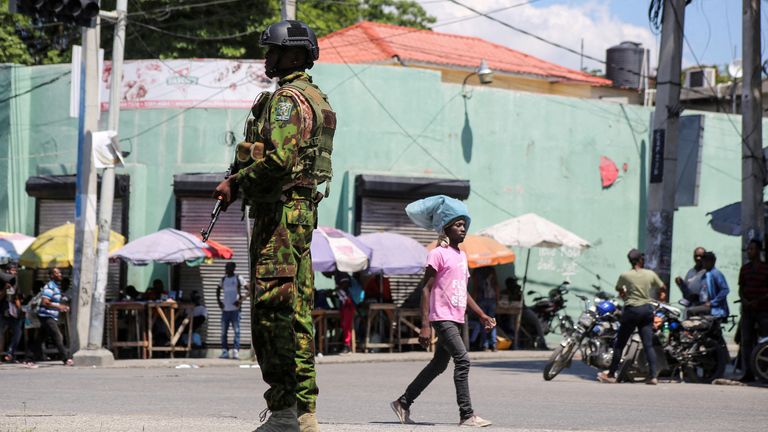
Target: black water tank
624,63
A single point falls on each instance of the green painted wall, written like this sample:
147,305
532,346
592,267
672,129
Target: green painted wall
522,153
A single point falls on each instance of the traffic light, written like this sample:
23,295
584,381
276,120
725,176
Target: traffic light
80,12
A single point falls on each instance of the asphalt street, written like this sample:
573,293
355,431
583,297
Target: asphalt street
355,397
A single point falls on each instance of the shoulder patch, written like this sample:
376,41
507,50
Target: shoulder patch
283,110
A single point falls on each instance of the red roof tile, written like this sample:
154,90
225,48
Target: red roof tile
369,42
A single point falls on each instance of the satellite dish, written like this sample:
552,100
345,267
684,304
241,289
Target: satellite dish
735,70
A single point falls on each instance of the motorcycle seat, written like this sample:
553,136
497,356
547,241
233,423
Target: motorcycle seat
697,323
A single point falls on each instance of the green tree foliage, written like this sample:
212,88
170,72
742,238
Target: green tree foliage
28,42
195,28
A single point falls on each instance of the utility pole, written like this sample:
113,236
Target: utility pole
661,191
288,9
96,355
85,200
752,166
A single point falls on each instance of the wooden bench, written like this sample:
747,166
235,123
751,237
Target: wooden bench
131,311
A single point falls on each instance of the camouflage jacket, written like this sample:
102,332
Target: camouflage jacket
289,123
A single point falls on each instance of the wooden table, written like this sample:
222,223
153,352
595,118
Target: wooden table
132,311
513,309
166,311
375,310
321,318
411,320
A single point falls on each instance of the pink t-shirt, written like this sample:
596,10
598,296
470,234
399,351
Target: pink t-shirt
448,300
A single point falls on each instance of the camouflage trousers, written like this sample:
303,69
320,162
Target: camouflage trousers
282,302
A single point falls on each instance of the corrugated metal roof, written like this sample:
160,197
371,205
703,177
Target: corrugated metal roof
369,42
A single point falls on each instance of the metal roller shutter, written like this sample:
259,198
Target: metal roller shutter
388,215
52,213
195,213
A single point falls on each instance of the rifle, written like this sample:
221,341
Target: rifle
217,208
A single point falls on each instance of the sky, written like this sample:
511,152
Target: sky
712,27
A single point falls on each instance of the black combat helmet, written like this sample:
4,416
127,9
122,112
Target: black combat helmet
290,33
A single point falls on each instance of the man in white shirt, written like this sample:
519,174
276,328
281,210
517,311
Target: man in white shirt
232,285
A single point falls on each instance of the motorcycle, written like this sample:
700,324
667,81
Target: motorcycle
693,347
593,335
547,315
760,359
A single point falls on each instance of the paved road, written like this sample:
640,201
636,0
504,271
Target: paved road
354,397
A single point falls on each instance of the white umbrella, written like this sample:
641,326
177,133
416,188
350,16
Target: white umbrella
167,246
531,230
13,245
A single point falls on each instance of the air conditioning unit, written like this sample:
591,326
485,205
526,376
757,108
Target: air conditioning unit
698,78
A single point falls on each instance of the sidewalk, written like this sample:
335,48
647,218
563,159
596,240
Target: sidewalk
418,356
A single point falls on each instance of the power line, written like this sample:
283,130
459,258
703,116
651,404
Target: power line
167,9
197,38
35,87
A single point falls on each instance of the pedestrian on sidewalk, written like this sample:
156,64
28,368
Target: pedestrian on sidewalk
443,304
692,286
48,313
635,287
11,316
232,285
346,308
753,293
486,294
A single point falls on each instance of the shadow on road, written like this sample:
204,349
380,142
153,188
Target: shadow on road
577,368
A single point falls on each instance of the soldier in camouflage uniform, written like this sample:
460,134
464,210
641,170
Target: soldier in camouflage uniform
287,153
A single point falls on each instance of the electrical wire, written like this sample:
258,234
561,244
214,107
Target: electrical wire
197,38
35,87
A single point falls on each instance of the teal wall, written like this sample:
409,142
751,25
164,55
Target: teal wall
522,153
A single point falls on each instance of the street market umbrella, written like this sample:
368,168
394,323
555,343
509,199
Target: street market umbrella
394,254
531,230
168,246
333,249
56,247
483,251
13,245
216,250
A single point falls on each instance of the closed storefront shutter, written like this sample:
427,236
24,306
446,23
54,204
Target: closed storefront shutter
195,214
388,215
53,212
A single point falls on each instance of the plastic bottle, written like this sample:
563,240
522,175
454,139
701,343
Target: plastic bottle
664,333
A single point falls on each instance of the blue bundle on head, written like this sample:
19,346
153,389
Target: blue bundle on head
436,212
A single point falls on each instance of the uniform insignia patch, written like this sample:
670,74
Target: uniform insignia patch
283,111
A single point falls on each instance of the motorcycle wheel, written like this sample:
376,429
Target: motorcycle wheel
629,368
760,362
709,364
558,360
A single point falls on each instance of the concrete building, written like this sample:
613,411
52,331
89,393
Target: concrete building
519,145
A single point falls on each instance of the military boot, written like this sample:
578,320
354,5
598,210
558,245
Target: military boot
281,421
308,422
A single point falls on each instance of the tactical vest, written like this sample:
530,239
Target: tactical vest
314,165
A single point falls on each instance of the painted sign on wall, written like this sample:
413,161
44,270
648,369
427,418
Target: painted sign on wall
195,83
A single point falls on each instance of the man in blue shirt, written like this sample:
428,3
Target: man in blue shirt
48,313
717,287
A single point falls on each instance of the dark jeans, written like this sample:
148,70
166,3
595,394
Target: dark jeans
640,318
751,319
50,327
449,345
230,318
16,325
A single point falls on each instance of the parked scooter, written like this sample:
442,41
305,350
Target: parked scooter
593,334
550,315
693,347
